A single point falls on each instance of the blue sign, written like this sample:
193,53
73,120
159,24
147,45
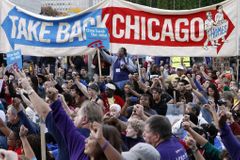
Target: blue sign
21,28
14,58
97,37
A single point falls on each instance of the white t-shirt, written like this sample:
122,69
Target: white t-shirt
3,116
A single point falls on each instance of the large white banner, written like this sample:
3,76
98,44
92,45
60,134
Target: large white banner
209,31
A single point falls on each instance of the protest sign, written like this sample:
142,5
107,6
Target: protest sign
1,85
14,58
97,37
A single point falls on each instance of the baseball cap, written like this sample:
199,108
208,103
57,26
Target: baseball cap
110,86
180,67
141,151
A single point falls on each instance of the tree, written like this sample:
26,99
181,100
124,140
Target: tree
176,4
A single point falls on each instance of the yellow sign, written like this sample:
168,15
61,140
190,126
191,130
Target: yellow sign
178,61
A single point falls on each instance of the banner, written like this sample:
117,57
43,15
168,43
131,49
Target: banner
210,31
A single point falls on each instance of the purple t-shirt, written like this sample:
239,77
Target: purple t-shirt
74,139
172,149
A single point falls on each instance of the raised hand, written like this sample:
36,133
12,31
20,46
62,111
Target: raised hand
17,104
19,91
138,110
96,131
222,120
22,79
202,68
186,125
191,143
186,118
23,131
52,94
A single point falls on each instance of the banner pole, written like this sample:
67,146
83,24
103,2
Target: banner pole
237,71
43,142
99,63
238,43
139,69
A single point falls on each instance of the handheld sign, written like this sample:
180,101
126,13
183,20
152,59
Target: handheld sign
14,58
1,85
97,37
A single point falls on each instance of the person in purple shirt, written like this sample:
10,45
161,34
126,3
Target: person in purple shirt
231,143
158,133
78,146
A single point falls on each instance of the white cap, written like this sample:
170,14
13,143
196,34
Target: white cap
110,86
180,67
142,151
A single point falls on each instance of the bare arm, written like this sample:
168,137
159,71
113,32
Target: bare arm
65,106
162,83
191,143
28,151
110,152
82,88
125,106
25,99
199,139
5,130
41,107
204,74
211,108
135,93
2,71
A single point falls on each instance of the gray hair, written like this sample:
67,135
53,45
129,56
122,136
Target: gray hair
92,110
160,125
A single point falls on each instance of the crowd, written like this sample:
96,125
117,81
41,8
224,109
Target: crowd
148,113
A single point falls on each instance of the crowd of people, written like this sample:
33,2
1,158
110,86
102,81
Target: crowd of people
131,112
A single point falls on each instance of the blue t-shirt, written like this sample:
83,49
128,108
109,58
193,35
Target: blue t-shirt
172,149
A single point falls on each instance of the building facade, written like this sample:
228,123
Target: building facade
59,5
29,5
84,4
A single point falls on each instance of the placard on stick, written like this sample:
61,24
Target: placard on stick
14,58
97,37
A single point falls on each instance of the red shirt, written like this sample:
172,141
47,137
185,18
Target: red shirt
117,100
18,150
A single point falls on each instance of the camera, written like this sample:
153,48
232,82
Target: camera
222,102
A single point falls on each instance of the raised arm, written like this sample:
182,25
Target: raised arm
65,106
106,56
199,139
82,87
28,151
130,65
229,140
41,107
204,74
4,129
24,98
110,152
210,150
191,143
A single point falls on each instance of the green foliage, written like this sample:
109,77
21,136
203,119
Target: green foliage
176,4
